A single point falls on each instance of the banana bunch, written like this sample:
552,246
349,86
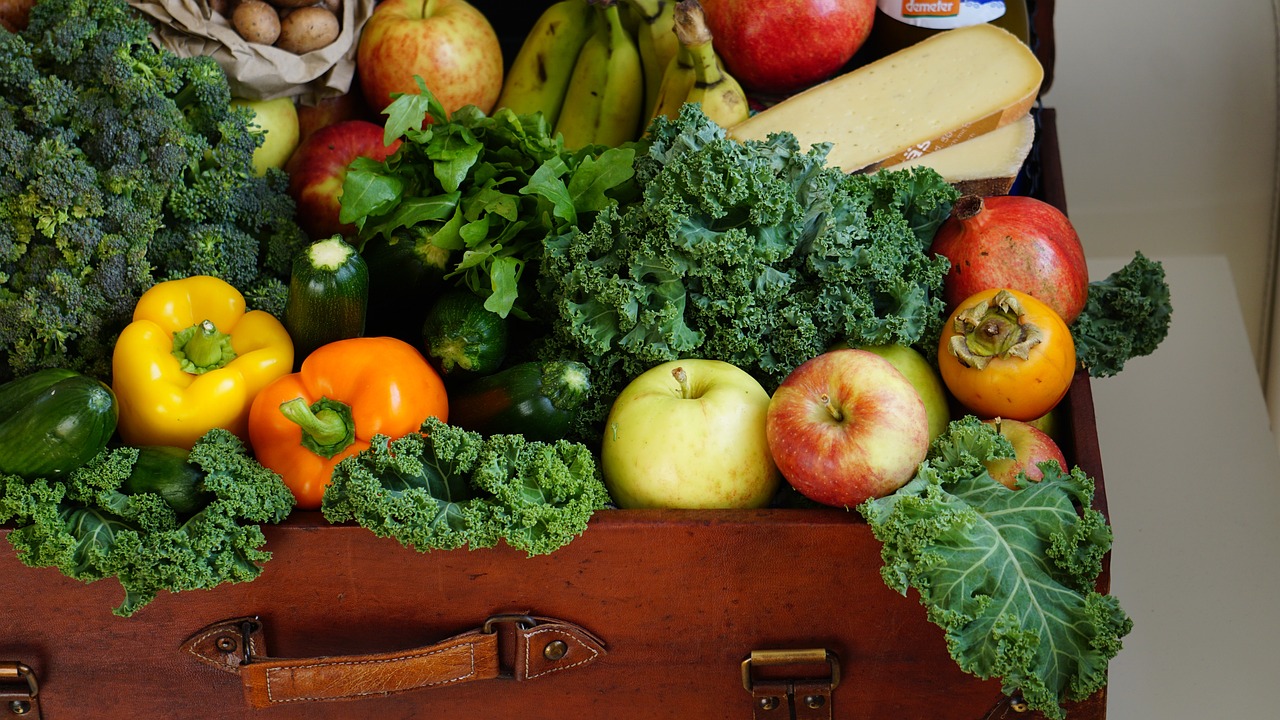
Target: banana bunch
696,74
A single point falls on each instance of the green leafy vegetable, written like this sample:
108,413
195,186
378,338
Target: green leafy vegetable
1009,575
489,188
1126,315
448,488
121,164
754,253
88,529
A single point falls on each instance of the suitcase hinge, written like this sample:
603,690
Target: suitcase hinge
802,693
19,691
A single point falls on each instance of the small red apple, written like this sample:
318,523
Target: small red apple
847,426
778,47
348,106
448,43
318,169
14,14
1030,446
1016,242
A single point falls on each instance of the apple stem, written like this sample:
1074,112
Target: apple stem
831,408
428,8
682,378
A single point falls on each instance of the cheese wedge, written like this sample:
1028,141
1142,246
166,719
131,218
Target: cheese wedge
944,90
986,165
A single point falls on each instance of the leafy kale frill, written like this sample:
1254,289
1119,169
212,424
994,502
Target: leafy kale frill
1010,576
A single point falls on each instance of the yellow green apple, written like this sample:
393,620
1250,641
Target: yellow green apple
277,120
689,434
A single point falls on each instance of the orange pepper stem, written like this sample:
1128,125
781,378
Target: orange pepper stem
327,427
202,347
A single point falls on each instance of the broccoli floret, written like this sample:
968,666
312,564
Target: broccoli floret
448,488
89,529
121,165
1126,315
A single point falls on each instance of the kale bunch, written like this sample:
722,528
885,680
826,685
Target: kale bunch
90,528
755,253
121,164
1127,315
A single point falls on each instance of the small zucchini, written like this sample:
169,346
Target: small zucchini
406,276
537,399
328,296
53,421
164,470
461,338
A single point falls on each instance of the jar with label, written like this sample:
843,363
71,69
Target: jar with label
900,23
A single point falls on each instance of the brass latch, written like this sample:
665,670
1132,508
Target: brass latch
19,690
791,684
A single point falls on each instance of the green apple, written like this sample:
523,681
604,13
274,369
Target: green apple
924,379
689,434
278,121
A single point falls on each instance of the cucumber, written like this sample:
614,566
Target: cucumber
53,421
328,296
537,399
462,339
405,278
164,470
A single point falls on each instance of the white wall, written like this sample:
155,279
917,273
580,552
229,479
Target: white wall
1167,121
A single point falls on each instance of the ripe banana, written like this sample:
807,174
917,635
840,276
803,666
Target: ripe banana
721,97
677,82
605,100
539,74
658,44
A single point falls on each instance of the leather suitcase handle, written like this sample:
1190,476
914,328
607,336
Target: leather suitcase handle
519,647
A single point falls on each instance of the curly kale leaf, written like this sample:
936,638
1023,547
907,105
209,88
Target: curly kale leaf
754,253
1126,315
1009,575
448,488
87,528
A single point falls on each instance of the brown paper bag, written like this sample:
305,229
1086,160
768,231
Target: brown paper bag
255,71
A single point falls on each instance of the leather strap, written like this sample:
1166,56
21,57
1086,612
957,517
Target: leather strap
515,647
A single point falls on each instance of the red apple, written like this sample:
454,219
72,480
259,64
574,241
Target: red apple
326,112
1030,446
448,43
778,47
1016,242
847,426
318,169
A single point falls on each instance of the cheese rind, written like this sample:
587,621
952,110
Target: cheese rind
986,165
952,87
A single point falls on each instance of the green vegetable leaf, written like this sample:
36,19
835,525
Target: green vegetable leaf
1009,575
1126,315
368,192
408,111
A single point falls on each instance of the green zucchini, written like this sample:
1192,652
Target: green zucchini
53,421
462,339
405,278
164,470
537,399
328,296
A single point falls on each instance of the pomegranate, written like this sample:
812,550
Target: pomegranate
1015,242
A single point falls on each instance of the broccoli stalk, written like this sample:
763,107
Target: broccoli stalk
1126,315
121,164
88,528
448,488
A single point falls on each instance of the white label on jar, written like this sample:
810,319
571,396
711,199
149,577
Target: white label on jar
942,14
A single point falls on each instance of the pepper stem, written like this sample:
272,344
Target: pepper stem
327,427
202,347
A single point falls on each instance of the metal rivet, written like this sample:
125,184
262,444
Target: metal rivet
815,701
226,644
19,707
768,703
1018,705
555,650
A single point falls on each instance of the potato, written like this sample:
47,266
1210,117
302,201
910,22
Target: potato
256,22
293,3
307,29
222,7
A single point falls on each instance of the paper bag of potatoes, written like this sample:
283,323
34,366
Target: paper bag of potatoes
304,49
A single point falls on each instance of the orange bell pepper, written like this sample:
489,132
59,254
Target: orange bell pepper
346,392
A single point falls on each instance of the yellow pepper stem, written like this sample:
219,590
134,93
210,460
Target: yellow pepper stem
327,426
202,347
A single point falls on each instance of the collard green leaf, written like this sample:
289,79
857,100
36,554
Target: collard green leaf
1009,575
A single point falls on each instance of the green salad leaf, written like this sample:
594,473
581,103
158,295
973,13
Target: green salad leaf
1009,575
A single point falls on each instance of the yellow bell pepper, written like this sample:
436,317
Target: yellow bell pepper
193,359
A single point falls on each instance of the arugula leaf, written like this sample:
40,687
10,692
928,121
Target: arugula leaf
1009,575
